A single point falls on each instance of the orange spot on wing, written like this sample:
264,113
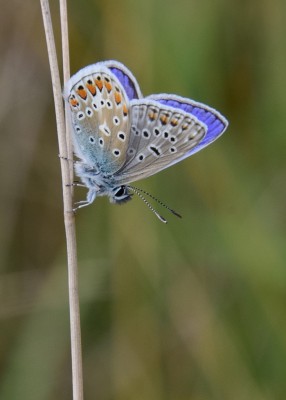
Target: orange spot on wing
73,101
91,87
125,110
153,114
174,122
118,98
99,84
108,86
82,93
164,119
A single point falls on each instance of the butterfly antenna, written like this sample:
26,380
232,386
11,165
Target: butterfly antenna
137,191
154,198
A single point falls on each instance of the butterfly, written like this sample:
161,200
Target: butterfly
121,136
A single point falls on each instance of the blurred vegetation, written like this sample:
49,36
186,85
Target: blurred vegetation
194,310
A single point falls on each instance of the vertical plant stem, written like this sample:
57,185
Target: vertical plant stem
66,75
69,219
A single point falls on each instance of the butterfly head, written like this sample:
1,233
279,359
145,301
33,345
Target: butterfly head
120,195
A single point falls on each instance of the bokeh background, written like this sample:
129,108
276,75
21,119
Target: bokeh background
192,310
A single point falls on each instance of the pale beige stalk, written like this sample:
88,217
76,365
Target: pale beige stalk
66,75
69,219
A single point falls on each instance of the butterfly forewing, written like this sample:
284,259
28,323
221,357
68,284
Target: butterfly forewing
126,78
160,135
99,107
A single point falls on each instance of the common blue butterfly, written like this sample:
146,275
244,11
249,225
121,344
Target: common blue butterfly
121,136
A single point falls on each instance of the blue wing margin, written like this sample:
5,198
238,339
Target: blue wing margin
214,121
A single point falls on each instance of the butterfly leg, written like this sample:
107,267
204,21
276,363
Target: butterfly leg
66,158
82,204
75,183
91,195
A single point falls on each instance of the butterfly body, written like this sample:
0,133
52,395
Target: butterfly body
101,184
121,136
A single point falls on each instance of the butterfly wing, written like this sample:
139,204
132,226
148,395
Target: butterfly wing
99,108
215,122
160,136
126,78
121,134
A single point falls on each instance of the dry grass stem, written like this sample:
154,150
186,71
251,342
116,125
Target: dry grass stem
69,219
66,75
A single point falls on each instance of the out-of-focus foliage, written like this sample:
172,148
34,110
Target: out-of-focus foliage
192,310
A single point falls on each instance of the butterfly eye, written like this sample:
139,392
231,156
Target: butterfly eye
121,194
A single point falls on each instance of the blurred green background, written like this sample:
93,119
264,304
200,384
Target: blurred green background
191,310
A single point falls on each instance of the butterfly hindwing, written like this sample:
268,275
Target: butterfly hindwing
215,122
160,136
